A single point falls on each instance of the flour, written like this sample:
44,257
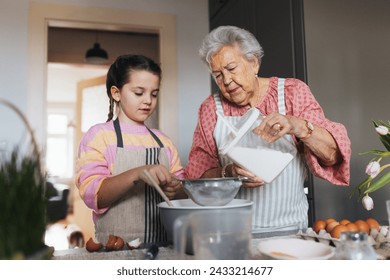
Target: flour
264,163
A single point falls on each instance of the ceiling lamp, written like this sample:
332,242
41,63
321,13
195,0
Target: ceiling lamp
96,55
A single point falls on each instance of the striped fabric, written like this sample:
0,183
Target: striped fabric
154,230
280,205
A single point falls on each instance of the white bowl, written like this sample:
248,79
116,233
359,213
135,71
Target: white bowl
295,249
183,207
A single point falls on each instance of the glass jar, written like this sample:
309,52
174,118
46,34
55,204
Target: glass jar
355,246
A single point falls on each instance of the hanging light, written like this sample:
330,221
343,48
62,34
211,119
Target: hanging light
96,54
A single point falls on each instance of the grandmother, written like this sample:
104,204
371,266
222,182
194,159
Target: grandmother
290,110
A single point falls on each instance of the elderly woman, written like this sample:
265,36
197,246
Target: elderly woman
290,110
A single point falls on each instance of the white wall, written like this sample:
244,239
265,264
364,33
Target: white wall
13,69
348,61
192,81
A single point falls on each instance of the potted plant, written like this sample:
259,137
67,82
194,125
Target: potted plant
23,201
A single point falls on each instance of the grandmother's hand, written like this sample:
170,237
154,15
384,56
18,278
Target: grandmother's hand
274,126
253,181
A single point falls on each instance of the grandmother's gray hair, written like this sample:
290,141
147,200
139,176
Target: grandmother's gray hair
229,36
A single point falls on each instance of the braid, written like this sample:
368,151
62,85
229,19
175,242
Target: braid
111,110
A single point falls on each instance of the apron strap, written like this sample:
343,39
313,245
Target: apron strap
218,103
119,139
155,138
281,105
118,133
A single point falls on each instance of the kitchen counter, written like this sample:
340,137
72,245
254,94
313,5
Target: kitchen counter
165,253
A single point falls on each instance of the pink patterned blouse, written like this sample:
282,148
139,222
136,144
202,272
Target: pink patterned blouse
300,102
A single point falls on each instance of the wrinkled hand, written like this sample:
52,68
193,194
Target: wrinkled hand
253,181
273,127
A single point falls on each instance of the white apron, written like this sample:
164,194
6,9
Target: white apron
136,215
280,207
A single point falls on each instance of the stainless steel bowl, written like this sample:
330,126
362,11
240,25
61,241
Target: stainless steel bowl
213,191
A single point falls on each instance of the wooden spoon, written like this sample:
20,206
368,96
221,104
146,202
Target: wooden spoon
157,187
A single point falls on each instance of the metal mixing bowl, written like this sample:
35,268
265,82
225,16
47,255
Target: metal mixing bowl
212,191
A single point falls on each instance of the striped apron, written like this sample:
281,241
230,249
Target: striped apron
136,215
280,207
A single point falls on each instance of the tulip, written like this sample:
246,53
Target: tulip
382,130
373,168
367,202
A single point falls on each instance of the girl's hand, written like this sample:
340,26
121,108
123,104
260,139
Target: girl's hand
171,188
161,175
158,172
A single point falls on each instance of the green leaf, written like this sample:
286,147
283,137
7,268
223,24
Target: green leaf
385,139
363,185
382,181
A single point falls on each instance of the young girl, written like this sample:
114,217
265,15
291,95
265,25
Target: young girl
113,155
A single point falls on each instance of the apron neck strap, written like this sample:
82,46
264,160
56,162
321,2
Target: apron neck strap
118,133
119,139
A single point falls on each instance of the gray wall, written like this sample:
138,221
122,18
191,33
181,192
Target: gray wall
348,62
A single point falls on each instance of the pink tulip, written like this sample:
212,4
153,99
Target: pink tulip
373,168
367,202
382,130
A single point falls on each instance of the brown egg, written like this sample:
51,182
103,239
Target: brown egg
362,226
329,220
331,225
344,222
372,223
352,227
337,230
318,225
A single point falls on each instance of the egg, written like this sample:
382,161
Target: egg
344,222
352,227
318,225
337,230
362,226
329,220
372,223
331,225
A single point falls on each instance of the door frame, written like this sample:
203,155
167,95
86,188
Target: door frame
45,15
